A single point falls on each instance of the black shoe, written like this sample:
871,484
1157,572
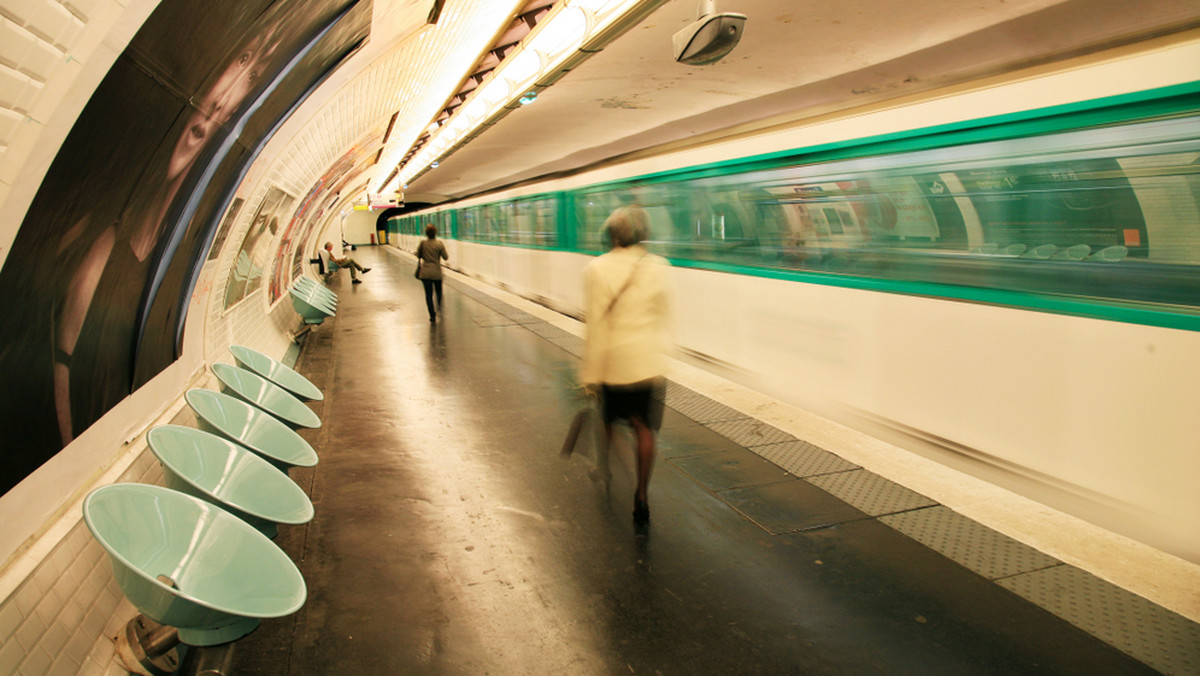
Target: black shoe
357,281
366,270
641,511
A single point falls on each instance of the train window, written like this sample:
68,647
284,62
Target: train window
1168,192
545,221
591,209
661,227
519,223
833,221
467,219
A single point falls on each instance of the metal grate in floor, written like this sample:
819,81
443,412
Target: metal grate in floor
749,432
1162,639
803,459
870,492
697,406
983,550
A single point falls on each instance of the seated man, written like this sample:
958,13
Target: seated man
347,262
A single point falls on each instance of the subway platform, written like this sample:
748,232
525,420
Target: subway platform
451,538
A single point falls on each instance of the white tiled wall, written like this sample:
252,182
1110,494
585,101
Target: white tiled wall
36,39
62,618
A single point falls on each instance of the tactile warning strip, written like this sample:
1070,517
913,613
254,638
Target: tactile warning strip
983,550
1165,640
803,459
698,407
571,343
749,432
870,492
470,292
491,320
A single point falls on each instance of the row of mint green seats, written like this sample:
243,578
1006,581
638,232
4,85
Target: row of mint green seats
1077,252
197,554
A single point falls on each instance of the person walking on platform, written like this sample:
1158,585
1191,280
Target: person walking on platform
628,303
347,262
430,254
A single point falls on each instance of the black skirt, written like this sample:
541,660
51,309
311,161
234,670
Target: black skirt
641,400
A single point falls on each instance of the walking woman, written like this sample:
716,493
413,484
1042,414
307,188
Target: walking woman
430,254
629,310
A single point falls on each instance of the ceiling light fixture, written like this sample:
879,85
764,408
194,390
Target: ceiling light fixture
572,31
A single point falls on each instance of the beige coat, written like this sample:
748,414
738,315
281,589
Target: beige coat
629,341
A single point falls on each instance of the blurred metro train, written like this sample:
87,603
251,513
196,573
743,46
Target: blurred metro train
1005,277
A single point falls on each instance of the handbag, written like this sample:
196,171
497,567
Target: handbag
585,424
417,274
573,431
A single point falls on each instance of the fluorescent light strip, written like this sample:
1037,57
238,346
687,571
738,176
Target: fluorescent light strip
552,41
429,65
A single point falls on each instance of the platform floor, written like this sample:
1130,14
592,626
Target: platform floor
451,538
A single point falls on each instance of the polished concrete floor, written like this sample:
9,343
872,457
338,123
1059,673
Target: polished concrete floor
451,538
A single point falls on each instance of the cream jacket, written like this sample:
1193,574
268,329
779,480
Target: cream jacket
631,341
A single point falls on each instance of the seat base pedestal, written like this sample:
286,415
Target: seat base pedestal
148,648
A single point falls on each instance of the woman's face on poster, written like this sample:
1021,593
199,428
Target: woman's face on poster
221,101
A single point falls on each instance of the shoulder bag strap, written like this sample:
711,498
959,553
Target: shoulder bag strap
636,265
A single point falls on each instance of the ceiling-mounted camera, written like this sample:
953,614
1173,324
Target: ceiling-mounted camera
710,37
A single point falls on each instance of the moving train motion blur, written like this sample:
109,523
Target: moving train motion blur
881,277
1094,216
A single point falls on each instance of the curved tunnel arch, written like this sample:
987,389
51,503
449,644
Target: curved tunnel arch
153,179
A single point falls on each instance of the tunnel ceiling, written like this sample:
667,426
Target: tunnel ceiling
793,62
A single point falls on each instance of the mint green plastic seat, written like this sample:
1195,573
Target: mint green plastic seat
332,268
276,372
315,300
1110,254
1041,252
310,282
313,287
248,426
266,395
186,563
321,294
215,469
311,313
1073,253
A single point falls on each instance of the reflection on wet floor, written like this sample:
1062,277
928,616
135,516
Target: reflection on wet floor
451,537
